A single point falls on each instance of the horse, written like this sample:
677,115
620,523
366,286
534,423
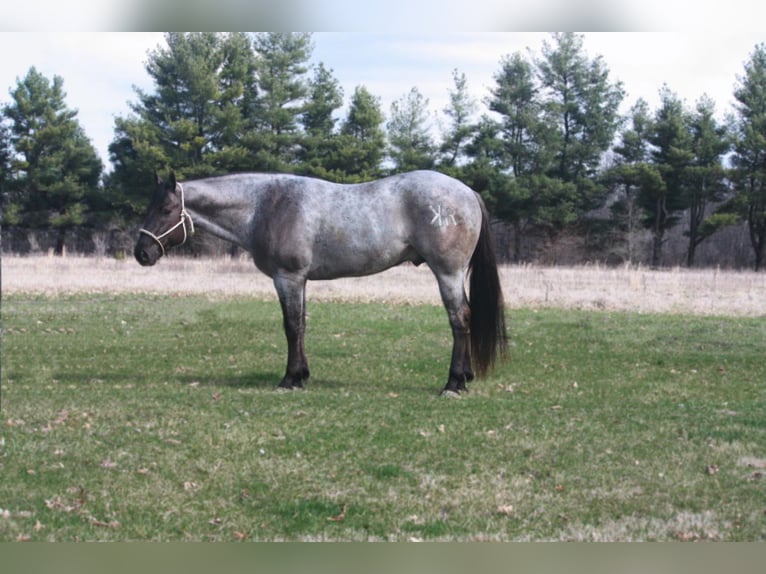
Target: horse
299,228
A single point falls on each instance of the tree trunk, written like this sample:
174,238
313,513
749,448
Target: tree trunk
695,219
756,225
657,248
60,248
516,242
658,233
691,251
759,247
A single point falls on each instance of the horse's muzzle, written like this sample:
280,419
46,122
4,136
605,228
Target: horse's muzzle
146,253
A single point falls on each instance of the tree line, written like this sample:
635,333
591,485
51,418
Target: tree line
547,147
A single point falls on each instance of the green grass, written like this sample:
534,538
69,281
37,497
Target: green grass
156,418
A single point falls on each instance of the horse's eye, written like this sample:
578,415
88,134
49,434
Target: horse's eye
166,211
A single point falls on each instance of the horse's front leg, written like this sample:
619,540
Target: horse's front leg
292,297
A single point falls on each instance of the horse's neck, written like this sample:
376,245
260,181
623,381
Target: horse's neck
222,212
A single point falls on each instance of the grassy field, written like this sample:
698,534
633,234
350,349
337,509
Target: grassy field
154,417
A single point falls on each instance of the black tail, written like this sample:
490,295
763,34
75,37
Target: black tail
488,333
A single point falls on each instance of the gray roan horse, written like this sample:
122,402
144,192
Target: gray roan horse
300,228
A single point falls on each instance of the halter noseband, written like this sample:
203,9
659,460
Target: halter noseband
184,216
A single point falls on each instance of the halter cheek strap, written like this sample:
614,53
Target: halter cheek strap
182,223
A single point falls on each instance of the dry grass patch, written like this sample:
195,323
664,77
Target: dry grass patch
681,291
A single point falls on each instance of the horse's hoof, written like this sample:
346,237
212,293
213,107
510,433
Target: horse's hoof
291,382
450,394
281,389
289,386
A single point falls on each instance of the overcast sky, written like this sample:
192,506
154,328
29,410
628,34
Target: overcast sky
100,69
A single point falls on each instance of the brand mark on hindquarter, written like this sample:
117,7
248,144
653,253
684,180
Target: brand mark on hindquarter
442,217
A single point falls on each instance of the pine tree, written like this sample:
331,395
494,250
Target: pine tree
6,152
273,130
236,87
671,156
200,80
510,148
632,169
581,113
182,107
321,139
362,139
749,158
460,110
705,177
54,168
193,120
557,118
516,98
410,142
137,151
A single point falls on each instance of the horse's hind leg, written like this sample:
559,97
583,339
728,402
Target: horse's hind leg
292,298
455,302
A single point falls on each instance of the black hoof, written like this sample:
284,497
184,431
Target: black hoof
290,384
290,381
455,385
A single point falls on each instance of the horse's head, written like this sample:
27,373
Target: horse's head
165,223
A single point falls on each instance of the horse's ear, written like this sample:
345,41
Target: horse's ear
172,180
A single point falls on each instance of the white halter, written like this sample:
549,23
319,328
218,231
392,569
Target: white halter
184,216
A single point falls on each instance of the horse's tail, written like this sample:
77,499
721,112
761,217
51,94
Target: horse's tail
488,333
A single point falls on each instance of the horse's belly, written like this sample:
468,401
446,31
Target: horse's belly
347,261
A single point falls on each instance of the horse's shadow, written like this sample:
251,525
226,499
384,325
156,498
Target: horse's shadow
258,381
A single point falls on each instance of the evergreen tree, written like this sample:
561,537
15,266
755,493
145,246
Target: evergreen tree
485,172
325,97
362,140
634,139
513,146
705,177
580,110
557,118
236,89
321,140
671,155
188,104
460,110
516,98
632,170
749,158
410,142
194,119
54,169
137,151
6,152
273,132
